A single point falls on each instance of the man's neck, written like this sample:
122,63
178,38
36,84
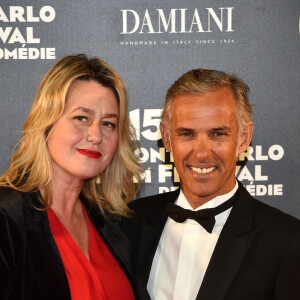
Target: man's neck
207,203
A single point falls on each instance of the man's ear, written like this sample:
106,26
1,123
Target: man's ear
165,137
245,137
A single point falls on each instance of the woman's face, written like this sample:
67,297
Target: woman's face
84,139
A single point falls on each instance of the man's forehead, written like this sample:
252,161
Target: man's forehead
222,97
212,110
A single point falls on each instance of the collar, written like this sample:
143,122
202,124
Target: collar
183,202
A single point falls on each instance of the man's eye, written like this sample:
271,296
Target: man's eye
184,133
218,133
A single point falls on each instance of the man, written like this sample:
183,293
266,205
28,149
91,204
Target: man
248,250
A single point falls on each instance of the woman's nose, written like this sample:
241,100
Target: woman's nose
95,134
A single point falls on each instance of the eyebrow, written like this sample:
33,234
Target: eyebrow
184,129
90,111
181,129
84,109
222,128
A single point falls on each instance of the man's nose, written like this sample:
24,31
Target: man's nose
95,133
201,147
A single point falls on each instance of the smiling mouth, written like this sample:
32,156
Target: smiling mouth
89,153
203,170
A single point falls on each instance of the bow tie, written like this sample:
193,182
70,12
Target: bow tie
205,217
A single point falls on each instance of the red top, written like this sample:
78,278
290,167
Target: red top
101,277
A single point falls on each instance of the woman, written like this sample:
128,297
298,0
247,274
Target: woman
67,183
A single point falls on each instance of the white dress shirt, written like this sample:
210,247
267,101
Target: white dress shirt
184,252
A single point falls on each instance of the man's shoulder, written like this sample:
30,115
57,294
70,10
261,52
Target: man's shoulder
268,215
275,216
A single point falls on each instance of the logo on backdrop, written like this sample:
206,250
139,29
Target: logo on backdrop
162,173
177,26
18,40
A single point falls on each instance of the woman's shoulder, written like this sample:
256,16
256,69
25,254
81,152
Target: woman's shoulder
9,196
13,202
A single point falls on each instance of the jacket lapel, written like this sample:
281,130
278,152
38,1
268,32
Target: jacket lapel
231,248
47,265
151,231
109,229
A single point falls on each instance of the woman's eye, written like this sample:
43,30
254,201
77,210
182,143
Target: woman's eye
81,118
109,124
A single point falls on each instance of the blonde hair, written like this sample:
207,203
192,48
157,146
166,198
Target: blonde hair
201,81
30,166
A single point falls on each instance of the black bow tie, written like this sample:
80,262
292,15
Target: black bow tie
205,217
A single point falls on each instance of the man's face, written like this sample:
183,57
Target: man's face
205,142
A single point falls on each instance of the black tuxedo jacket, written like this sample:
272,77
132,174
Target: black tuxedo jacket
257,255
30,264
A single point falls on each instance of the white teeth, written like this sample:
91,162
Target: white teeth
204,170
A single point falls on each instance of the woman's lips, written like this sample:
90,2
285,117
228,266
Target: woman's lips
89,153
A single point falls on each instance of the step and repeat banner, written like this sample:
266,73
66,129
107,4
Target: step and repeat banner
151,44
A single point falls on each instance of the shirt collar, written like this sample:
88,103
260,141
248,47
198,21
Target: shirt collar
183,202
